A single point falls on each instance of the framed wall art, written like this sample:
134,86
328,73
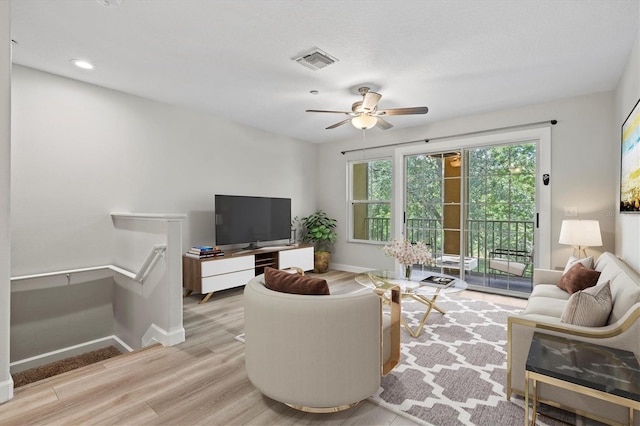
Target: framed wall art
630,163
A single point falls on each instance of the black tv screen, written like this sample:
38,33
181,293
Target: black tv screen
249,220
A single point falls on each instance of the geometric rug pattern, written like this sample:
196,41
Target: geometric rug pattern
454,373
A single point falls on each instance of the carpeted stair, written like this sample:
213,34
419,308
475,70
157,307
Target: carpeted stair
48,370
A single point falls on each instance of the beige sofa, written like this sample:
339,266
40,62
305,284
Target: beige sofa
542,314
319,353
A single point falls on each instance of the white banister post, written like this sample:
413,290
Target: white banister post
174,272
6,383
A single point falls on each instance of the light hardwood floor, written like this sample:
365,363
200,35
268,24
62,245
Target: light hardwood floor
201,381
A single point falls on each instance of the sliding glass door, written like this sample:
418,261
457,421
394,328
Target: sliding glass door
476,207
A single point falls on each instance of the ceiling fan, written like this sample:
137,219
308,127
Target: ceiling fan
365,113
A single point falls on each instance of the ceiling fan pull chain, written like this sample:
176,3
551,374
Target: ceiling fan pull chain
364,145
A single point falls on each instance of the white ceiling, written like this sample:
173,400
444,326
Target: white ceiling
233,58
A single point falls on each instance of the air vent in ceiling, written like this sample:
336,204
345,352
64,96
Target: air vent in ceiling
315,59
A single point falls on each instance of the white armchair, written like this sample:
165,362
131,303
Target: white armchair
318,353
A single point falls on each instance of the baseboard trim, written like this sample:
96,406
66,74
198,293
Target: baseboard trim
6,390
46,358
349,268
156,334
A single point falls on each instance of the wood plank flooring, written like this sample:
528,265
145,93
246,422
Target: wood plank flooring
201,381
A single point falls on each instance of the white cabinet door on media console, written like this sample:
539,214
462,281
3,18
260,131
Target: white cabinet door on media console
302,258
221,274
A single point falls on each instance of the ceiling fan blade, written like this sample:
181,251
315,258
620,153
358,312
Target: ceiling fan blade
333,126
328,111
403,111
383,124
370,101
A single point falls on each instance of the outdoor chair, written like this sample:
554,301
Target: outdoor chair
510,262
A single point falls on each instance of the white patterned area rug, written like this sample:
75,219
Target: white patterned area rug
454,373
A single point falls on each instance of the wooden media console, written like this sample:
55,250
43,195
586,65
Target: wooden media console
237,267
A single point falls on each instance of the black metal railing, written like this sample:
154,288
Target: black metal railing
482,236
486,236
378,228
509,240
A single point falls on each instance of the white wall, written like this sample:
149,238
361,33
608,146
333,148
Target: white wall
583,167
81,151
46,320
627,94
6,383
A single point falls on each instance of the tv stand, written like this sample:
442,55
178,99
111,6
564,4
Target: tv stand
237,267
251,246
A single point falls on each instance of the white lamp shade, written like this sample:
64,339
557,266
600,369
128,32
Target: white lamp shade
364,121
581,233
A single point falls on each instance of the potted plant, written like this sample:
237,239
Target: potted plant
319,229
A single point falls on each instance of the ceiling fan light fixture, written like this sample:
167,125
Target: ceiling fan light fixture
366,113
364,121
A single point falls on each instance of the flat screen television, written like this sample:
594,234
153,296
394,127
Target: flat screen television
250,220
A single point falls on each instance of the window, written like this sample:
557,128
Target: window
370,187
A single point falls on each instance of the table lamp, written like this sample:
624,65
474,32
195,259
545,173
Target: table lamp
580,234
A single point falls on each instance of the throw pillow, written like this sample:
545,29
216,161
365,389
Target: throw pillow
578,278
587,262
590,307
286,282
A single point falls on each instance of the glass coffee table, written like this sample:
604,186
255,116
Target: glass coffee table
425,292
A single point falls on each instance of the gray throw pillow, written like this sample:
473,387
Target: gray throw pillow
590,307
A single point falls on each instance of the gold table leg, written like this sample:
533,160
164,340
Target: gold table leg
206,298
526,398
534,408
431,303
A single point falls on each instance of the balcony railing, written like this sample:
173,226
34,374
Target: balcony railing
482,236
378,228
483,239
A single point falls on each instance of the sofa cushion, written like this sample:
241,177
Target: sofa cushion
625,291
586,261
609,268
285,282
547,306
578,278
549,290
590,307
624,282
509,266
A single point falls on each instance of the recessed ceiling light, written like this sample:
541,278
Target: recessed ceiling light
82,64
314,92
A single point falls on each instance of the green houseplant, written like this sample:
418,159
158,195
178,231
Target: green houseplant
319,229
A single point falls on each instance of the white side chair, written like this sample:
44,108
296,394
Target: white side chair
319,353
